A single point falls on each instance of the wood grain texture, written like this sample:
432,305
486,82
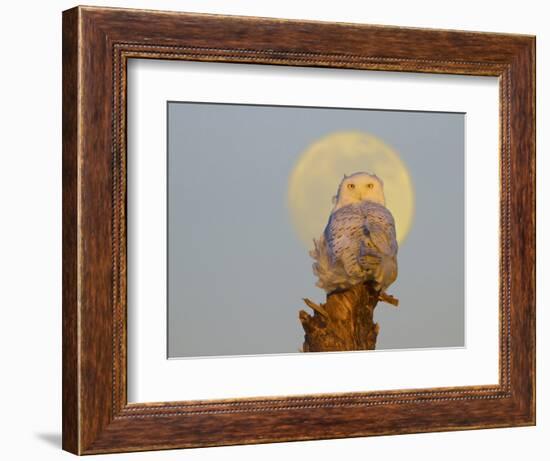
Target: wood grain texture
70,363
97,42
345,322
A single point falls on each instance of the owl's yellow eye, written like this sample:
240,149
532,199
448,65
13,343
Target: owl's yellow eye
351,186
370,185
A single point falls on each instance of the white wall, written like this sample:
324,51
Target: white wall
30,206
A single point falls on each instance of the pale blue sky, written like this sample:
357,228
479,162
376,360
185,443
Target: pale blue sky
237,271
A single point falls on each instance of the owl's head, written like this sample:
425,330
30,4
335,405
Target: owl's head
359,187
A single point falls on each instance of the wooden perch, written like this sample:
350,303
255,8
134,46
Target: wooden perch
345,322
388,299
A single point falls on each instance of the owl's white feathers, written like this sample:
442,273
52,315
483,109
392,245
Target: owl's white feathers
359,242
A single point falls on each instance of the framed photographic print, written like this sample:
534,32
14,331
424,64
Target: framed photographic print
282,230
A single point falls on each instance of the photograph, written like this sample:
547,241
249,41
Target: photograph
283,228
313,229
275,230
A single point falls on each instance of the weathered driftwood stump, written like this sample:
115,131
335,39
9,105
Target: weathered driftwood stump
345,322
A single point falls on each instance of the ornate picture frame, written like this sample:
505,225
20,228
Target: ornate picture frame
97,44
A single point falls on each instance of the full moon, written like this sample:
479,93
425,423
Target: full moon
318,171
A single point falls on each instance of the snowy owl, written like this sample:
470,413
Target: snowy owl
359,243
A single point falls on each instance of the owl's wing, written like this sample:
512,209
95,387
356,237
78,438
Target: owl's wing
378,249
379,229
343,236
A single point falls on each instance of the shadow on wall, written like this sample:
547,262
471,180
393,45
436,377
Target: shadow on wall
51,438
